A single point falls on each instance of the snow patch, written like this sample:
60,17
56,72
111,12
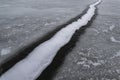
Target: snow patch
82,62
80,53
95,63
105,30
89,62
85,65
85,61
96,31
118,71
112,27
117,54
33,65
5,51
114,40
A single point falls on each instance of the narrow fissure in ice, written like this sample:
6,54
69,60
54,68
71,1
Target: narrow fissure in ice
33,65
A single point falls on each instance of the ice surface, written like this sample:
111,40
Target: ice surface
33,65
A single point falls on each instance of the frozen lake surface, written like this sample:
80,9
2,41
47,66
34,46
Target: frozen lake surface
95,55
25,21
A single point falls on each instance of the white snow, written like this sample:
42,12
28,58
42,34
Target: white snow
105,30
89,62
95,63
96,30
5,51
82,62
112,27
33,65
114,40
116,55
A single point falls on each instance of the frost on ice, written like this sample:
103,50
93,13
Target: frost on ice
33,65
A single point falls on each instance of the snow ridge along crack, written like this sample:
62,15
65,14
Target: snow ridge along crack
34,64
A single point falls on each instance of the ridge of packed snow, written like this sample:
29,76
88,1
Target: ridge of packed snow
33,65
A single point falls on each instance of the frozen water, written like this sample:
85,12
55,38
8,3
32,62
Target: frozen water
32,66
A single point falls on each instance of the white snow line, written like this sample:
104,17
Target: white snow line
33,65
